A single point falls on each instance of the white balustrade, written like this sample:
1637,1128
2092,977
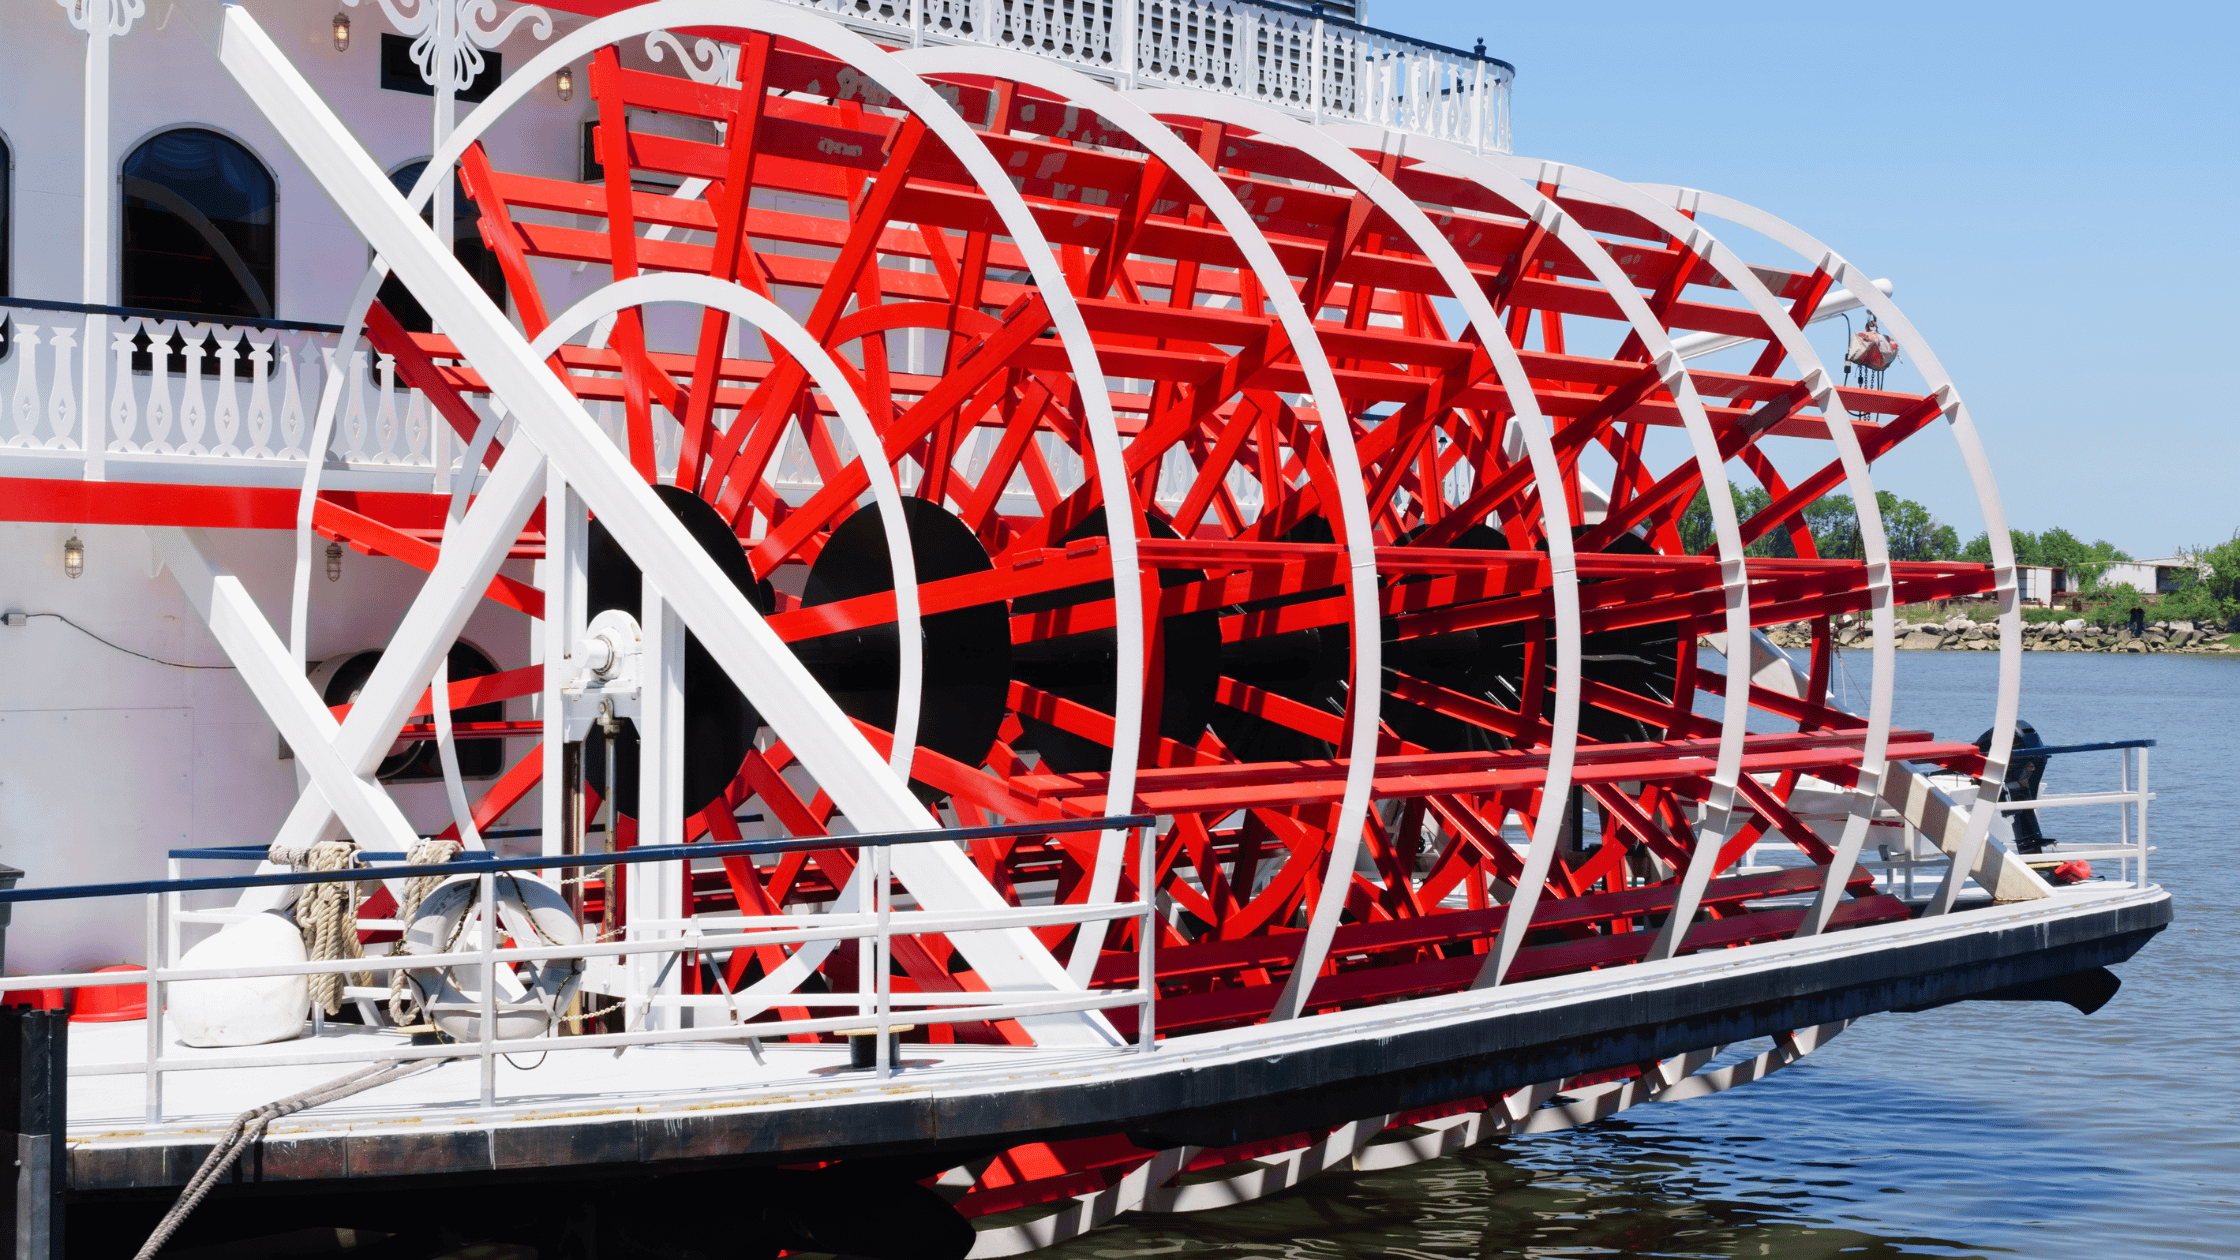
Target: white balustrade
1319,68
210,393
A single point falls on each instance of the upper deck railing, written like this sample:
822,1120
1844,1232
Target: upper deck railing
1300,60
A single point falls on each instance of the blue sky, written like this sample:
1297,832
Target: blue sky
2052,188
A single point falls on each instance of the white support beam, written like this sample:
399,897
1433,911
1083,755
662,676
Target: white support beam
656,889
1931,811
564,577
268,670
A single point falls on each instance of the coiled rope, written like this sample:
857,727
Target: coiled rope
248,1128
327,914
429,852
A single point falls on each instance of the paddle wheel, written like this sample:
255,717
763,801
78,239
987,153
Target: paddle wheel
1323,495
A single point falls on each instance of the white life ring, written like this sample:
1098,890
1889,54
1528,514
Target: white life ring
530,996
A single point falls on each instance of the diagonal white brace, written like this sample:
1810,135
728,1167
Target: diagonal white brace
269,671
470,557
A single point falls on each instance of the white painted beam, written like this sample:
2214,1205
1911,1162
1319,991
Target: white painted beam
268,670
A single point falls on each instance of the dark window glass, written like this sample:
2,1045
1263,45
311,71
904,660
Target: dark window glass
198,227
7,196
7,193
399,73
466,246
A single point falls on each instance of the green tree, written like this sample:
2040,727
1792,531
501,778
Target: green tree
1833,520
2112,604
2224,567
1835,527
2084,561
2209,593
1914,534
2027,548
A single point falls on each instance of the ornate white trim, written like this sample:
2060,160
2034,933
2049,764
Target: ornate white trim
121,14
451,34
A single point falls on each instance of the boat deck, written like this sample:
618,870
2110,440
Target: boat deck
589,1109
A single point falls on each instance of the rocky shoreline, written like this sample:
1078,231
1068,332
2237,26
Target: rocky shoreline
1960,634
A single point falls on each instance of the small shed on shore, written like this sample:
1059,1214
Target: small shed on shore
2040,584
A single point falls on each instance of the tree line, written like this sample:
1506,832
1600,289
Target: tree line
2209,592
1833,522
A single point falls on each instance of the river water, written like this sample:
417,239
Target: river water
1983,1129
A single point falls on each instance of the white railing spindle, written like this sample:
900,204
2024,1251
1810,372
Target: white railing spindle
194,414
124,407
24,406
260,398
226,419
62,404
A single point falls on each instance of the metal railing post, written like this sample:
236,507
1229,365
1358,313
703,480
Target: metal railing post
882,945
173,869
1125,55
2143,795
488,885
1482,115
154,996
1147,971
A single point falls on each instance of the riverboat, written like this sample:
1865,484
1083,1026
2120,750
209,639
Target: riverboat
573,679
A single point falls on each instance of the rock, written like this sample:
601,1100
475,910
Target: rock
1920,639
2181,625
243,1012
2074,623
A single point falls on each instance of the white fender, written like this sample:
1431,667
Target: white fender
532,912
246,1012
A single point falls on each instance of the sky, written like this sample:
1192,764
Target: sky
2051,187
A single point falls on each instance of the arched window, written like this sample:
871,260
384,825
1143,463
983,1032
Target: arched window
466,246
198,226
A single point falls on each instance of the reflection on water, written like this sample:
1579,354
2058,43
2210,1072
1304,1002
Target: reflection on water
1978,1130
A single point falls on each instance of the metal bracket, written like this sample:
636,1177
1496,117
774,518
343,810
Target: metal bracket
606,674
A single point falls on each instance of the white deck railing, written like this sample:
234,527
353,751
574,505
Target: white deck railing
1305,63
876,1007
1900,863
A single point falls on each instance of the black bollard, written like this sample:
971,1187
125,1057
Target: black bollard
34,1076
